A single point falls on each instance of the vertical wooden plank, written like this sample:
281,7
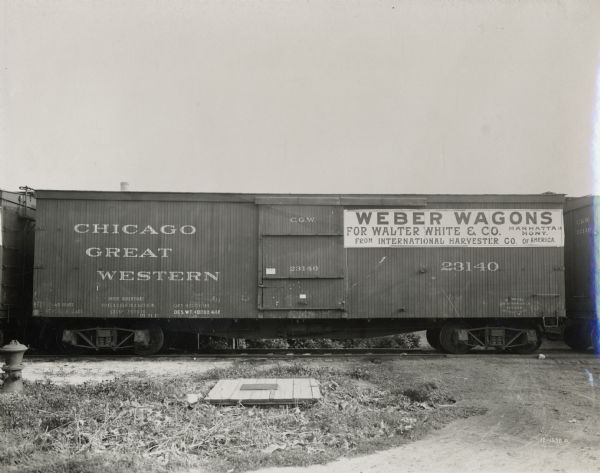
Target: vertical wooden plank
238,394
273,394
222,390
217,390
258,394
304,391
287,390
231,388
276,395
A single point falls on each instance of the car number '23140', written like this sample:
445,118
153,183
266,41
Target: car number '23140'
469,266
313,268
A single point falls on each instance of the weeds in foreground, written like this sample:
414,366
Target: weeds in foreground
146,425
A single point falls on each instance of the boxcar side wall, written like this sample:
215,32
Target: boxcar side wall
17,213
582,329
145,259
294,257
579,257
446,269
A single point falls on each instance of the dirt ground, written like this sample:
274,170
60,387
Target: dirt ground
76,371
542,415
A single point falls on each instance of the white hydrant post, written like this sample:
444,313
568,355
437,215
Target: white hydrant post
13,380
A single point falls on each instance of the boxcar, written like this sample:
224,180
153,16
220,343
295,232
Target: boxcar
119,269
581,257
17,212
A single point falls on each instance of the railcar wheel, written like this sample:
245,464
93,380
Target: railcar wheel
577,337
449,341
155,344
64,348
433,338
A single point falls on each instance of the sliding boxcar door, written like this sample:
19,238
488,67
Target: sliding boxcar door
302,258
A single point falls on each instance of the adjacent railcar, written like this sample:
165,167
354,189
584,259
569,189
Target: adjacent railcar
581,256
17,213
120,269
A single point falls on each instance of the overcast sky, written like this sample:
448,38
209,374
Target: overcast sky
364,96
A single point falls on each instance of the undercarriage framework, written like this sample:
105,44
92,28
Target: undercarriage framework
453,336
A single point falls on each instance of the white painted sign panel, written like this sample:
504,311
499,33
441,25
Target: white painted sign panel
414,228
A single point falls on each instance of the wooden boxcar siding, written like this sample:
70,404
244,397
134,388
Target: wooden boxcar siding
579,256
302,260
280,256
222,250
16,254
4,303
409,282
305,219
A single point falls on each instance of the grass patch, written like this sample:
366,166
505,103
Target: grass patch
145,425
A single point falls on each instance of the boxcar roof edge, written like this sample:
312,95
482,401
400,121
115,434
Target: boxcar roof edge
410,200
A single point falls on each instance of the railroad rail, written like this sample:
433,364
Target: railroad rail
562,353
